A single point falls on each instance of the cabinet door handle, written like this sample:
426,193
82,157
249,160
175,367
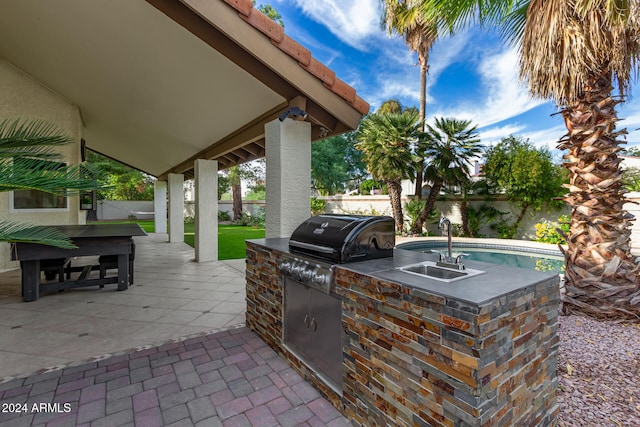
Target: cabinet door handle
306,321
314,324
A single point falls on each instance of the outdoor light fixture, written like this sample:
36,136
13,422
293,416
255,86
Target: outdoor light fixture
293,113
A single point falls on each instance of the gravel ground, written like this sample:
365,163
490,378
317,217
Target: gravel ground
598,372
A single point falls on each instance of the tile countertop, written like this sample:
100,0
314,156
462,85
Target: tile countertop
497,281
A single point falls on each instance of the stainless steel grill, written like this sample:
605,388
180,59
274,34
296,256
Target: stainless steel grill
344,238
312,316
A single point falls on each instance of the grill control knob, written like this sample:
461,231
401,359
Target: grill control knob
319,279
305,275
285,267
295,270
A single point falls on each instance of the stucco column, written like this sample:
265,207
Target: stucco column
176,207
206,227
160,206
288,154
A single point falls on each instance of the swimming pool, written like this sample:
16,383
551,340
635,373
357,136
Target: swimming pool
505,254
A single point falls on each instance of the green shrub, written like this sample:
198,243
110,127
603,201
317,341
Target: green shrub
370,184
189,219
413,208
551,231
505,230
631,179
256,220
318,206
224,216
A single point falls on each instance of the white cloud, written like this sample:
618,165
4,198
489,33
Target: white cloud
397,73
504,98
546,137
495,134
355,22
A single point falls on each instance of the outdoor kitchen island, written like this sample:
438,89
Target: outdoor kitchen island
481,351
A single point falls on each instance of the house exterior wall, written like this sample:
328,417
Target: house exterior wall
22,97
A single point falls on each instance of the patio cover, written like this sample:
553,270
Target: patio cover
164,82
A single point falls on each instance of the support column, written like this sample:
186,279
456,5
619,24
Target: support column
288,154
206,227
160,206
176,208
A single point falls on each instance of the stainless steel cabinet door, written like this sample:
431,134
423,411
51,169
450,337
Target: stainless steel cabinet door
296,317
326,331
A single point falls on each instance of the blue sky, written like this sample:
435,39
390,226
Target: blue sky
473,75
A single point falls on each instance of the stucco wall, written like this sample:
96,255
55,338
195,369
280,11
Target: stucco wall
21,97
449,207
109,210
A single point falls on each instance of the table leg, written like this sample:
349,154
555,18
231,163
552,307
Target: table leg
123,272
30,280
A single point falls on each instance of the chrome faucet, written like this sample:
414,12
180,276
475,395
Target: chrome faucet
445,221
448,260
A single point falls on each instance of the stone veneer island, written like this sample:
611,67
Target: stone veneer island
418,352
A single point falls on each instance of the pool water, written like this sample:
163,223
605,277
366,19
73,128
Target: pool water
514,256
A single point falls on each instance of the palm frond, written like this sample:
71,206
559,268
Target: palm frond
21,138
14,232
36,174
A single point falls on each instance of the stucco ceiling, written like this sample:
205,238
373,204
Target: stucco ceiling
160,83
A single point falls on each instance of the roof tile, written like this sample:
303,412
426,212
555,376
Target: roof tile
294,49
242,6
321,71
344,90
265,24
361,105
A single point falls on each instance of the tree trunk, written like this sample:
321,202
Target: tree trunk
236,191
523,211
422,115
428,206
464,214
395,192
601,275
419,178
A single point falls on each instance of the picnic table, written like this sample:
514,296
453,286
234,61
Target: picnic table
104,240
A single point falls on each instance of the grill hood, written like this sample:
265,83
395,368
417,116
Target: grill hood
344,238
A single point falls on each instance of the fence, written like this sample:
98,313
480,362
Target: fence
113,210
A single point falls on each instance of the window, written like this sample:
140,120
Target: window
35,199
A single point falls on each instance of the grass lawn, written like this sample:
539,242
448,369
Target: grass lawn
230,237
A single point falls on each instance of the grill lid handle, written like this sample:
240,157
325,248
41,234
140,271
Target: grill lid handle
317,248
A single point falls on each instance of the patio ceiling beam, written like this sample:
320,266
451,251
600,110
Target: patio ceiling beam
232,158
241,153
253,149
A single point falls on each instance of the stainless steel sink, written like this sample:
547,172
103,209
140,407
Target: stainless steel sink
431,270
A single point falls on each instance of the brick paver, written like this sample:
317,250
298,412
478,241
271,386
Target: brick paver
229,378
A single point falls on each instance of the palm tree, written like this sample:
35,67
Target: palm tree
449,146
573,51
385,140
27,150
419,35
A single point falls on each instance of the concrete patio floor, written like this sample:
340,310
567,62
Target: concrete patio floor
172,350
172,296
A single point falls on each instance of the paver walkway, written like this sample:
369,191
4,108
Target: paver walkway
230,378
